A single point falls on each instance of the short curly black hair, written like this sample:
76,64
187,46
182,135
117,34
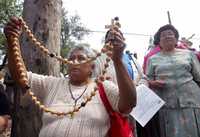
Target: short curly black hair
163,28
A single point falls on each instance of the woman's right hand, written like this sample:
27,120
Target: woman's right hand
13,28
156,83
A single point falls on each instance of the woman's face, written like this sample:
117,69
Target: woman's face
79,73
168,40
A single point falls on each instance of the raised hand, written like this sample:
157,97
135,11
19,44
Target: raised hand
116,40
13,28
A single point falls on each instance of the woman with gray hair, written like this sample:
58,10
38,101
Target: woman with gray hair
77,91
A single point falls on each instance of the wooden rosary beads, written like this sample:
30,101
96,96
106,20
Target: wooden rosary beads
22,74
17,59
46,51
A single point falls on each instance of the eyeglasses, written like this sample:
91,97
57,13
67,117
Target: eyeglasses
79,58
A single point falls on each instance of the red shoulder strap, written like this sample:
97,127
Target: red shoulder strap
104,98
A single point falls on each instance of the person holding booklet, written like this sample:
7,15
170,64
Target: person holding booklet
174,74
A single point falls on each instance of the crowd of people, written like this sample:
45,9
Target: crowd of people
171,69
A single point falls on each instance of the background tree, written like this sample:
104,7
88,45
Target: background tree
9,8
44,19
72,30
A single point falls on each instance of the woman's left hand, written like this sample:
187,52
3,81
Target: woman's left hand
116,39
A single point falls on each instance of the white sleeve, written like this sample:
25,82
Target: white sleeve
112,93
41,85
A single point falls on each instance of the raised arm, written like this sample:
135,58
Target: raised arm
127,91
15,62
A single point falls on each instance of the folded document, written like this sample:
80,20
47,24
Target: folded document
148,103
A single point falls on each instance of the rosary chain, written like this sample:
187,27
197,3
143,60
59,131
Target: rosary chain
24,80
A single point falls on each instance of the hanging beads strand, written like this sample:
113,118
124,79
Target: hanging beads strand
46,51
71,113
83,104
24,80
24,83
20,71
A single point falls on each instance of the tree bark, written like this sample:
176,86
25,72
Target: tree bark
44,19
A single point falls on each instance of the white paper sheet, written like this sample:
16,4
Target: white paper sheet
148,103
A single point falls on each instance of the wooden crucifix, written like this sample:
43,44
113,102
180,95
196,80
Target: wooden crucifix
114,24
114,27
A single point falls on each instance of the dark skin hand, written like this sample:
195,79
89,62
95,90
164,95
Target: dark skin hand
13,28
127,89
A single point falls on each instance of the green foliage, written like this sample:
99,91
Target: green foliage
71,31
8,8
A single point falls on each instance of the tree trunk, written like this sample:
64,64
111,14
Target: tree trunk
44,19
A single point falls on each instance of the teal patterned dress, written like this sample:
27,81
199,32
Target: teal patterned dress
180,117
